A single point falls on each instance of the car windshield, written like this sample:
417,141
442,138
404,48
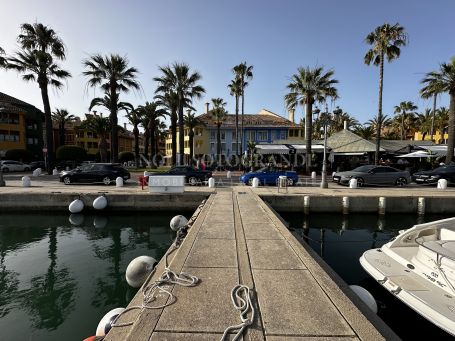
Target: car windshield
363,169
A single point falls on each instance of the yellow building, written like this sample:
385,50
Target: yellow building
437,137
200,138
12,128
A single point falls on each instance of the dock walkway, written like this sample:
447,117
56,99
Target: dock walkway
238,239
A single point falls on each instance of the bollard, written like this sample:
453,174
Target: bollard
228,174
421,206
442,184
55,171
211,183
119,181
382,205
255,183
313,175
37,172
282,183
306,204
353,183
345,205
26,181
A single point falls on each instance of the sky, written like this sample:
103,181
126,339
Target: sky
276,37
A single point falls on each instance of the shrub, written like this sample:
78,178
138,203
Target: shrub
126,156
75,153
19,155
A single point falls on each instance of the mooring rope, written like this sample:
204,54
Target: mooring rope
241,299
442,272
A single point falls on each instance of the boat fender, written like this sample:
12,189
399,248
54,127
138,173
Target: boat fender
366,297
178,222
100,203
76,206
106,322
139,269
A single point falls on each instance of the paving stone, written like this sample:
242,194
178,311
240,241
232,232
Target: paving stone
292,303
217,231
309,338
213,253
205,308
273,254
216,217
165,336
261,231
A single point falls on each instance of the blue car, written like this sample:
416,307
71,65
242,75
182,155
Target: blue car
269,176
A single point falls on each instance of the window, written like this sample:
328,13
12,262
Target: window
212,147
263,135
223,147
212,135
234,147
234,136
198,132
80,134
283,135
12,136
251,135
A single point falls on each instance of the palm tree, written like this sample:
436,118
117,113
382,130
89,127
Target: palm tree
235,89
179,79
385,122
405,115
308,86
364,131
40,47
170,102
386,41
150,114
444,80
432,89
191,122
134,119
114,76
61,117
250,147
243,72
425,121
442,120
219,116
101,126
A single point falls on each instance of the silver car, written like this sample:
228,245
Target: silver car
374,175
13,166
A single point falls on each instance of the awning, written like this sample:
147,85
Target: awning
420,153
285,148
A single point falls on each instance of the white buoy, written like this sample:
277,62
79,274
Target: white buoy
76,206
106,322
228,174
211,183
76,219
333,173
100,203
139,269
37,172
313,175
353,183
100,222
178,222
255,183
26,181
421,206
55,171
382,205
345,205
306,204
366,297
119,181
442,184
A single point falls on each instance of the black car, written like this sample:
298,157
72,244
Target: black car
192,175
95,172
431,177
37,164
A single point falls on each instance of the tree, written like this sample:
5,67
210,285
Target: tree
425,121
101,126
39,48
384,122
442,120
235,89
243,72
150,113
179,79
61,117
75,153
364,131
432,89
386,41
406,112
191,122
134,119
308,86
219,116
444,80
114,76
169,101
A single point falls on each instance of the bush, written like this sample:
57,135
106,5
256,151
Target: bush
19,155
125,156
71,153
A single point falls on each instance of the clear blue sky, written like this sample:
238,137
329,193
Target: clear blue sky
275,37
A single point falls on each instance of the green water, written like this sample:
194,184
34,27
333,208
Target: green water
57,280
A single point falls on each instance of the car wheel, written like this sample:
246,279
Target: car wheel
26,169
66,180
250,181
106,180
360,182
192,181
290,182
401,182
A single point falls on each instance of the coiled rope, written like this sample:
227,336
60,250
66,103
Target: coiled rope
241,299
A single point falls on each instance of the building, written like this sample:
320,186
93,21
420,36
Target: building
21,126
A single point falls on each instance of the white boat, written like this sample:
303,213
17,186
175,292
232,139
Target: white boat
418,267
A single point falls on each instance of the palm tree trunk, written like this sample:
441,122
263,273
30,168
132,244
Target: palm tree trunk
451,130
174,137
103,149
49,130
136,145
308,129
114,129
237,125
402,126
433,116
191,141
243,108
378,125
62,134
146,143
218,141
152,145
181,133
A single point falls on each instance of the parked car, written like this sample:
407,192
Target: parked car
192,175
95,172
14,166
374,175
37,164
432,176
269,176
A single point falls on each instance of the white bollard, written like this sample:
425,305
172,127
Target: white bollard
55,171
255,183
306,204
37,172
211,183
313,175
442,184
353,183
26,181
119,181
345,205
421,206
333,173
366,297
382,205
228,174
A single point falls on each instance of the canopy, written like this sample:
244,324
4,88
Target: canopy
419,153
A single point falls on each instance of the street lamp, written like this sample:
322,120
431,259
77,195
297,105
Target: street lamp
326,119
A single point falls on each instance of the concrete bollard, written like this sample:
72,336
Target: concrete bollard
421,206
382,205
353,183
211,183
37,172
228,174
119,181
26,181
255,183
313,175
306,204
345,205
442,184
55,171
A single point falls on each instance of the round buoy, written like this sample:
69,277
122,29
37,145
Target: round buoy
100,203
26,181
119,181
178,222
55,171
100,222
106,322
139,269
76,219
76,206
366,297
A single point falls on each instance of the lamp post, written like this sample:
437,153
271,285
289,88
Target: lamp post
326,121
